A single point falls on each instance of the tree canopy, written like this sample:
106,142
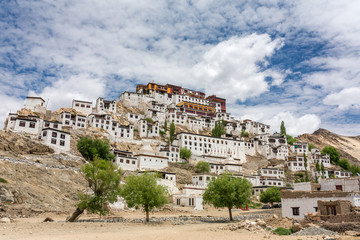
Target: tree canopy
172,132
282,128
219,129
143,191
185,153
271,195
333,153
90,148
228,191
202,167
104,181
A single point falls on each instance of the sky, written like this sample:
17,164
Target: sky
273,60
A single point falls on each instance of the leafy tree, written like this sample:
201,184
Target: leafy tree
282,128
311,146
165,126
162,133
290,140
172,132
317,167
228,191
271,195
143,191
244,133
185,153
333,153
90,148
306,171
149,120
219,129
355,169
344,164
322,169
103,178
202,167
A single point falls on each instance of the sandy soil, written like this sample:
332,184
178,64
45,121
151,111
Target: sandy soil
35,229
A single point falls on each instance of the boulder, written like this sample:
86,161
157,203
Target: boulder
5,220
296,227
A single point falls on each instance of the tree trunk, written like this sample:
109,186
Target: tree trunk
75,215
147,214
230,214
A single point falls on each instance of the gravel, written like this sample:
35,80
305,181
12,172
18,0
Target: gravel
314,231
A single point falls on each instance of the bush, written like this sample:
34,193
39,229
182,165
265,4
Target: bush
3,180
333,153
244,133
282,231
202,167
290,140
149,120
185,153
90,148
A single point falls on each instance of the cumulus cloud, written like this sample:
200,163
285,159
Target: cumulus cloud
346,98
231,68
62,92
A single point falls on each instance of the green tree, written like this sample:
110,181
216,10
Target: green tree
317,167
143,191
228,191
244,133
306,171
202,167
219,129
311,146
322,169
282,129
103,178
333,153
149,120
344,164
290,140
355,169
271,195
185,153
90,148
165,126
172,133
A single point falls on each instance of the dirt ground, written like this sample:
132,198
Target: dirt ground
35,229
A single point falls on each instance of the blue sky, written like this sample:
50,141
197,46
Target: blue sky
296,61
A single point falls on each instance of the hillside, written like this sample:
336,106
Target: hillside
348,147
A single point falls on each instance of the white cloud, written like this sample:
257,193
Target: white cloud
230,69
347,98
62,92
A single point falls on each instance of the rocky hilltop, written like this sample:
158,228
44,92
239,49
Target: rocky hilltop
348,147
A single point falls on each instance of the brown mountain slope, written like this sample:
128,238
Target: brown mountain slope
348,147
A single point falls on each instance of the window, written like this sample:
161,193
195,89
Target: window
53,141
62,136
47,124
32,125
54,134
22,124
339,187
55,125
296,211
62,143
44,133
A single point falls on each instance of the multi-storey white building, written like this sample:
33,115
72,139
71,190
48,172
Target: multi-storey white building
300,148
297,163
202,178
148,160
272,172
103,105
212,146
317,157
148,129
277,182
72,120
25,124
171,152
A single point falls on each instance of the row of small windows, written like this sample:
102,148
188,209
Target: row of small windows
82,105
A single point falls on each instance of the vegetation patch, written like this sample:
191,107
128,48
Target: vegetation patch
282,231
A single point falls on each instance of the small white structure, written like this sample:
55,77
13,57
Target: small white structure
74,121
82,106
171,152
148,129
191,196
35,104
57,139
317,157
125,160
342,174
271,182
52,124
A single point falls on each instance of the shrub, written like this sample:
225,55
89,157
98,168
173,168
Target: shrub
282,231
202,167
150,120
185,153
244,133
3,180
90,148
